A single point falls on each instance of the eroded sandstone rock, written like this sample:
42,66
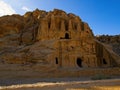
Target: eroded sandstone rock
112,40
52,38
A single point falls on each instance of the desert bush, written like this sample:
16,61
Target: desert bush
100,77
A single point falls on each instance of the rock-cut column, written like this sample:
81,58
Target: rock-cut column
62,28
70,26
43,30
52,26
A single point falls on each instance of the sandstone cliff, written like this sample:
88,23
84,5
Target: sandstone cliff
55,39
112,40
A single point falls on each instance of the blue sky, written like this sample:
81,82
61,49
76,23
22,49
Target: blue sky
103,16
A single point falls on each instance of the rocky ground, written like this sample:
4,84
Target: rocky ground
17,77
11,74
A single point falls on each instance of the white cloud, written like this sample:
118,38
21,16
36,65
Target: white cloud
25,8
6,9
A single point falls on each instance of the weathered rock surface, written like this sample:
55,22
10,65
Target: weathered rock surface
53,39
113,41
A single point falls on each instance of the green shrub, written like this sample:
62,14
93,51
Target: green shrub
100,77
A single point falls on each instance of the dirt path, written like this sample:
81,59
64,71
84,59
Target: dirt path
112,84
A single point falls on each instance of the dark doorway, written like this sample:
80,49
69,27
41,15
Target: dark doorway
79,62
104,61
56,60
67,36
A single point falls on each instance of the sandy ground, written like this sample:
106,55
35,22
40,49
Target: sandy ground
111,84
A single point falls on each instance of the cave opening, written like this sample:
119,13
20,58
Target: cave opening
56,60
79,62
104,61
67,36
